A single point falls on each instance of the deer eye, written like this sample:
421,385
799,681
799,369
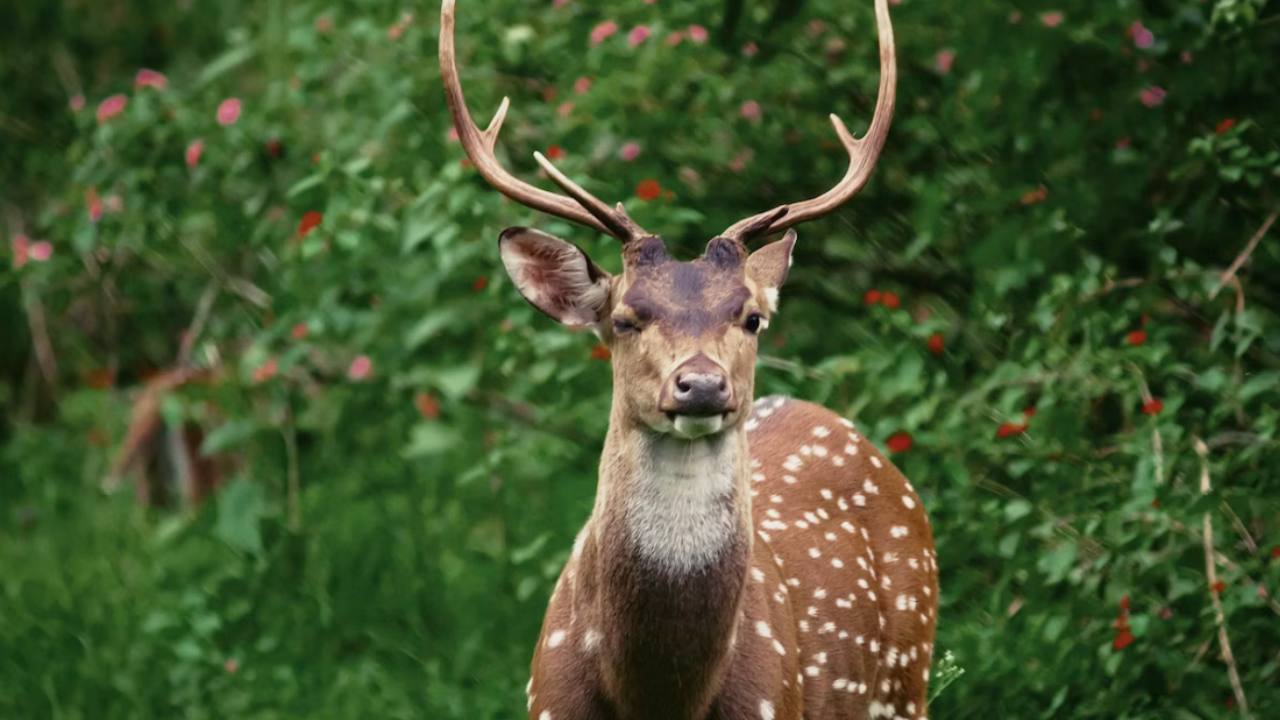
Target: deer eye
623,326
752,325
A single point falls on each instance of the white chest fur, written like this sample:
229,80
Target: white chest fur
679,504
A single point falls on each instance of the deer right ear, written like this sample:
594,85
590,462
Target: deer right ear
555,276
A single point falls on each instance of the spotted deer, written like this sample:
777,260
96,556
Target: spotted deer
744,560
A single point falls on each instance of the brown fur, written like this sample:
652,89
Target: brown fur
807,587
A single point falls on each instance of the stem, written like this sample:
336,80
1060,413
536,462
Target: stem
40,337
1211,572
1230,274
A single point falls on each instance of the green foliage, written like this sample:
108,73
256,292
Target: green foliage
415,446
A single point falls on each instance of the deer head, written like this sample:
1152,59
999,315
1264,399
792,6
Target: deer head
683,335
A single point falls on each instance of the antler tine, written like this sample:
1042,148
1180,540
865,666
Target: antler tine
479,145
863,153
620,224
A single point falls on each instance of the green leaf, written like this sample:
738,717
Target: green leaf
224,63
306,184
429,326
241,507
229,435
429,439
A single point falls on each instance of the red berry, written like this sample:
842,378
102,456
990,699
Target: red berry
1009,429
872,297
648,190
899,442
310,221
1123,640
935,343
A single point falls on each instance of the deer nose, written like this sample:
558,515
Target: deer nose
699,391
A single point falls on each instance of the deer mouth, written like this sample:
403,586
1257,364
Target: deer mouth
691,427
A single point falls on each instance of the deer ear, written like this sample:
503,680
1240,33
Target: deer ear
769,265
555,276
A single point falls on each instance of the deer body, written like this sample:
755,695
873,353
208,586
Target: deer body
821,605
743,561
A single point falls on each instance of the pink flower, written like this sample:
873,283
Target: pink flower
582,85
565,109
560,3
360,368
750,49
150,78
630,151
944,60
229,111
41,251
111,107
194,151
751,110
76,103
675,38
697,33
650,2
1152,96
1015,18
638,34
1142,37
602,31
113,204
739,161
1186,57
1052,19
816,28
452,135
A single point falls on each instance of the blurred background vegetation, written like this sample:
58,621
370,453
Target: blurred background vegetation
278,439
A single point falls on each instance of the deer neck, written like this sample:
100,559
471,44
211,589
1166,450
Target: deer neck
672,542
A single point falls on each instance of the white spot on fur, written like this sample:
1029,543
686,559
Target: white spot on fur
766,707
555,639
771,295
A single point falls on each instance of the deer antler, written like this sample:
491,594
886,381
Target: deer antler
581,207
863,153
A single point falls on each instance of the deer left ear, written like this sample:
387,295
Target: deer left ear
555,276
769,265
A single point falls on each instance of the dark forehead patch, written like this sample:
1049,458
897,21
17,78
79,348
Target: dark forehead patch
687,298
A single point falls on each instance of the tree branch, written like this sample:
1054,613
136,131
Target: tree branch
1211,572
1230,274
